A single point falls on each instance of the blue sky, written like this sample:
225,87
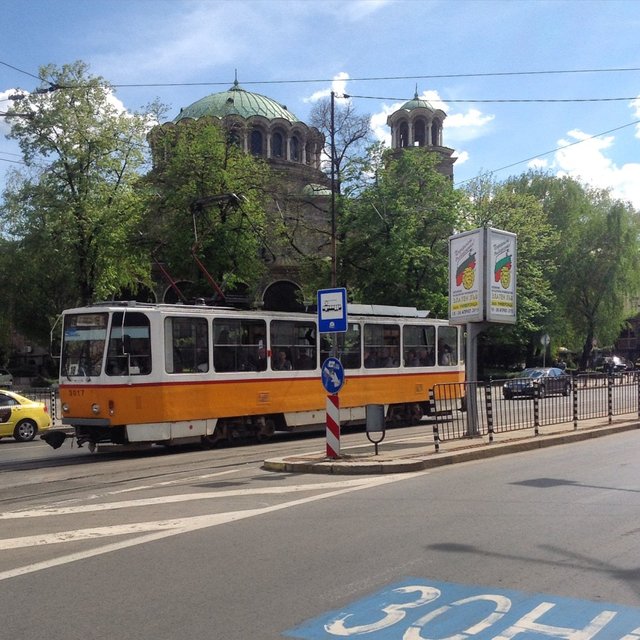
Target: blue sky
472,58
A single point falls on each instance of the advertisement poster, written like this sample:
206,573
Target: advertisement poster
466,290
501,276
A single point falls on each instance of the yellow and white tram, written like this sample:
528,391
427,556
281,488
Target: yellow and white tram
149,373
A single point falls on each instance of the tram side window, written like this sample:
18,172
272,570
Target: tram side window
239,344
419,345
186,345
381,345
129,350
348,346
447,346
293,345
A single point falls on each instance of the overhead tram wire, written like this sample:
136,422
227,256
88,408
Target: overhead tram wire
415,77
497,100
26,73
387,78
545,153
54,87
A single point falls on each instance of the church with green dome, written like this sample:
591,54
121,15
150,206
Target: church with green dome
266,129
417,124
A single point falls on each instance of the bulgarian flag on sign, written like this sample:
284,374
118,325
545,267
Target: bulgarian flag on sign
467,265
502,271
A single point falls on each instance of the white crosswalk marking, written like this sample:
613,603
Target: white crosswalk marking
160,529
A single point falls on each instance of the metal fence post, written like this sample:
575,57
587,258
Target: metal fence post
54,406
436,434
536,410
610,398
574,394
488,401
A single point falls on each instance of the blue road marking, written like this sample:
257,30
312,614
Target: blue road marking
419,609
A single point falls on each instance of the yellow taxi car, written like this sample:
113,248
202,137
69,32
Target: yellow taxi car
21,417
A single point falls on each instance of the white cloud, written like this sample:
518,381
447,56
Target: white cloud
460,127
467,126
379,123
538,163
461,157
6,103
354,10
338,86
589,162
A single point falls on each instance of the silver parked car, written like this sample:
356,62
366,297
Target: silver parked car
6,379
538,380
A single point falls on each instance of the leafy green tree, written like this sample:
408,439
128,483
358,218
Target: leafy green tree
72,209
394,234
564,202
601,272
597,259
351,135
208,196
6,270
494,205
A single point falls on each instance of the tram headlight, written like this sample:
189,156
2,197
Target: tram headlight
95,408
65,407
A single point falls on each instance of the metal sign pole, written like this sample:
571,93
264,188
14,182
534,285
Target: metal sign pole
473,331
332,319
333,426
332,380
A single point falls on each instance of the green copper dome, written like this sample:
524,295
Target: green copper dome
417,103
236,101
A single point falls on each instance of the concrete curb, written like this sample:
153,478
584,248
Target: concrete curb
406,463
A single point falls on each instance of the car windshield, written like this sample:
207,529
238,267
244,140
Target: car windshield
83,344
531,373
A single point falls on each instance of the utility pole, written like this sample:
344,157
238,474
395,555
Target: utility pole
333,194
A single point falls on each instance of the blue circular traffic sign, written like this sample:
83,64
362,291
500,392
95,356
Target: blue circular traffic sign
332,375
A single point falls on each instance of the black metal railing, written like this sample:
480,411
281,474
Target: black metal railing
469,409
48,395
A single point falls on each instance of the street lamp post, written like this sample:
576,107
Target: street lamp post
333,195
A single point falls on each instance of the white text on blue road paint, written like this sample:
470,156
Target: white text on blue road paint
424,610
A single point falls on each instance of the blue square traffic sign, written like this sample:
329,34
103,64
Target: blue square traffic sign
332,310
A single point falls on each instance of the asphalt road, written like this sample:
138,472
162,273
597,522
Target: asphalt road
200,545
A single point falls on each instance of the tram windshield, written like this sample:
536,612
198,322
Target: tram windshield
84,337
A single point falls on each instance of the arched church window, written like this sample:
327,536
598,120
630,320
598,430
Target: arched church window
257,143
295,149
436,129
234,137
403,138
309,153
277,145
420,133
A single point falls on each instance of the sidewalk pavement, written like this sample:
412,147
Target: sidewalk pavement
416,453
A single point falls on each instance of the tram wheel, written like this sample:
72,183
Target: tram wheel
217,439
265,431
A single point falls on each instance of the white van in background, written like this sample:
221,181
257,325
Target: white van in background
6,379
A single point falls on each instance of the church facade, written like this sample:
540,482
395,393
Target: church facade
293,150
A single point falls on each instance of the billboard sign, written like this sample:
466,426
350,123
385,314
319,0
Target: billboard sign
501,276
466,276
482,276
